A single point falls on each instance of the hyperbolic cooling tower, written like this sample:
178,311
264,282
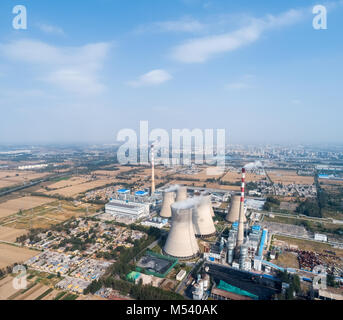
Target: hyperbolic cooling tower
168,200
202,218
210,201
181,194
181,241
233,214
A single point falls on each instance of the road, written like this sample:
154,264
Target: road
182,284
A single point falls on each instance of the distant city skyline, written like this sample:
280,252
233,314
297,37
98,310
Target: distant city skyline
80,73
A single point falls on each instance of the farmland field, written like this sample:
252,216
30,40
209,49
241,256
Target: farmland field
24,203
11,254
289,177
10,234
9,178
234,177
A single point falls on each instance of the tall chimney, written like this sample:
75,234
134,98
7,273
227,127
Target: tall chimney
152,170
240,235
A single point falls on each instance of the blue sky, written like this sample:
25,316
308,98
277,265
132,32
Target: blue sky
85,69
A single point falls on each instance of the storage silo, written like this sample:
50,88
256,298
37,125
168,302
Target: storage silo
202,219
243,256
181,242
230,250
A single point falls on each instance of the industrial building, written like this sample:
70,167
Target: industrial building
127,209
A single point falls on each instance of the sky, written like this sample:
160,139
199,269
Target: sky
83,70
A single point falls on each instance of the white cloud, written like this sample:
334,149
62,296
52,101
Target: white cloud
152,78
73,69
46,28
187,25
184,25
199,50
244,82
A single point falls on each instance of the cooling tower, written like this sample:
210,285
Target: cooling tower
210,200
168,200
181,242
233,214
202,219
181,194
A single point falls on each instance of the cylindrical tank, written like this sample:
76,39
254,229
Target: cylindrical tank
230,251
181,242
168,200
243,256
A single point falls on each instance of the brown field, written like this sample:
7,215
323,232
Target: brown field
79,188
49,214
11,254
310,245
287,260
10,234
51,295
32,293
236,177
68,183
6,288
24,203
331,182
10,178
289,177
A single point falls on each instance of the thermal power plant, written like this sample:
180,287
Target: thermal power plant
168,200
152,170
240,234
202,218
233,214
181,194
181,242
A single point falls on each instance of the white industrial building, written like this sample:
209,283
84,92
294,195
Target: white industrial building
127,209
320,237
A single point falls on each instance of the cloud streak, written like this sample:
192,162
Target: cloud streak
152,78
73,69
49,29
201,49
